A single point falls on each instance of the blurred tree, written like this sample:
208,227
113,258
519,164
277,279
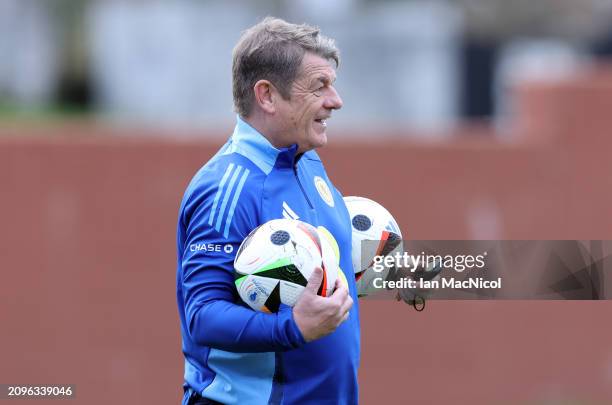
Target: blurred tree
74,89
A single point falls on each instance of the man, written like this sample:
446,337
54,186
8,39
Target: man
283,77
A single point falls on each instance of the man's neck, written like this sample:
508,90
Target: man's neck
261,126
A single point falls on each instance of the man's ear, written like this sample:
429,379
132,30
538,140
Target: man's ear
265,96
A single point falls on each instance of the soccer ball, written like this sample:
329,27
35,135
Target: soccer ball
375,233
275,261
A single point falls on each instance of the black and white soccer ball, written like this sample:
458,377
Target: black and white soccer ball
275,261
374,233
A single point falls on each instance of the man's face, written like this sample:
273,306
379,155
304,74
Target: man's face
313,97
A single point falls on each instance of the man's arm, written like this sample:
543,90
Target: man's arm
213,317
216,321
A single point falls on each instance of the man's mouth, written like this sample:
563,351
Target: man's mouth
322,121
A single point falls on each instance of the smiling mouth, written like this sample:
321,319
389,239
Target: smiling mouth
322,122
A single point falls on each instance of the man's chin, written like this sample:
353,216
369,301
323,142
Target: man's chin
317,141
320,140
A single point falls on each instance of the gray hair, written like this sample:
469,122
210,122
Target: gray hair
273,50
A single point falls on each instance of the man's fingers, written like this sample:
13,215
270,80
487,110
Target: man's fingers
344,311
314,282
340,293
344,317
346,305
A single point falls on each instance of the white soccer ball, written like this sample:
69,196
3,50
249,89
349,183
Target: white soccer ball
275,261
375,233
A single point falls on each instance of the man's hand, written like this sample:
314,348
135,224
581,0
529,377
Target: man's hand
318,316
416,297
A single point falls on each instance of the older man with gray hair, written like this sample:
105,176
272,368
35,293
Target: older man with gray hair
283,88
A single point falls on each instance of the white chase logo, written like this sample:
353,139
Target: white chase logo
211,247
324,191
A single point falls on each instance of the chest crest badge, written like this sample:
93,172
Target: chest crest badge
324,191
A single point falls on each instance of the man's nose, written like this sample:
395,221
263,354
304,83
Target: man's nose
333,100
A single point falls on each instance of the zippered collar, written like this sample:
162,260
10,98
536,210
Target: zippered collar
250,143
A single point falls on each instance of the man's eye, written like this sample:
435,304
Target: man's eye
318,90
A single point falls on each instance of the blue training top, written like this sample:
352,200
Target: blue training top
235,355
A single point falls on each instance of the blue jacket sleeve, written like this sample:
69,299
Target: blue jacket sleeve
213,232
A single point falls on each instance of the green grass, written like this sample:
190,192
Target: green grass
14,113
